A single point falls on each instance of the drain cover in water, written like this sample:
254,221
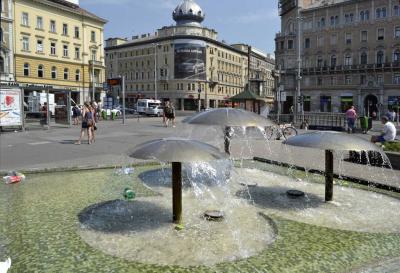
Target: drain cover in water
295,193
214,215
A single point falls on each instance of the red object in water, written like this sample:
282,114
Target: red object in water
14,179
9,100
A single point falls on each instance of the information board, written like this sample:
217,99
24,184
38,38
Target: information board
10,107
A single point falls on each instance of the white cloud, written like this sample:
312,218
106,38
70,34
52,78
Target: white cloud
157,4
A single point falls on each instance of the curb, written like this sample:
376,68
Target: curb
82,168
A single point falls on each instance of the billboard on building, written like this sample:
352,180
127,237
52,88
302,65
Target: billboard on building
10,108
190,59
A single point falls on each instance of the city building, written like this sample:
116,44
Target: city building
6,39
180,63
59,47
350,54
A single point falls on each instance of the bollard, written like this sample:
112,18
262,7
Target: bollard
177,192
328,175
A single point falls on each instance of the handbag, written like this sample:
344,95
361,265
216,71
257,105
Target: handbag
95,127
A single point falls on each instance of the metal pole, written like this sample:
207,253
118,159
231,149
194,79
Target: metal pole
299,107
92,80
199,100
48,109
328,175
227,140
177,192
123,99
155,71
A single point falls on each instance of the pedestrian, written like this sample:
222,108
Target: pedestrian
87,123
169,111
76,113
351,117
393,115
388,134
43,109
95,119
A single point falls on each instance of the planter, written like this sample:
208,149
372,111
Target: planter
394,158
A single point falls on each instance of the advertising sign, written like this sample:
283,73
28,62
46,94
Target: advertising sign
190,59
10,108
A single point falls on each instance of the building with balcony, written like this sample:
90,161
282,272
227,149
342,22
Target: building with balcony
6,40
59,47
350,54
179,63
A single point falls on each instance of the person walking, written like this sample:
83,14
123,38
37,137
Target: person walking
351,117
76,113
169,112
87,123
95,119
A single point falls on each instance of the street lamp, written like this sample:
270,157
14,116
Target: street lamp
199,99
155,70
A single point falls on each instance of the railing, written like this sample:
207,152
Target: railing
315,120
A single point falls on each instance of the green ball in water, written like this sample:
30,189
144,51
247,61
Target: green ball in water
129,194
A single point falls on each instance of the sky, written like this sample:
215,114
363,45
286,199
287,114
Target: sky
253,22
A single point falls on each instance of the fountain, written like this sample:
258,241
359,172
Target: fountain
331,141
229,118
176,151
49,225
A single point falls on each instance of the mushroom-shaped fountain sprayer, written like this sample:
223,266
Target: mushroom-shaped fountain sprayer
229,117
176,151
331,141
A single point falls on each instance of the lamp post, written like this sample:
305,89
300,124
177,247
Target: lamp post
299,108
199,99
155,71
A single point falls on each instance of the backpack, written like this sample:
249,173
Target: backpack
169,110
77,111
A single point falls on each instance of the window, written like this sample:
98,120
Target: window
347,60
65,29
290,44
77,53
54,72
65,50
396,10
77,75
396,56
1,64
39,46
380,57
307,43
66,73
381,34
347,79
39,22
25,43
25,19
363,58
333,81
94,55
333,60
332,21
40,71
348,38
93,36
319,81
396,78
348,18
26,69
282,45
53,26
380,13
76,32
52,48
397,32
364,36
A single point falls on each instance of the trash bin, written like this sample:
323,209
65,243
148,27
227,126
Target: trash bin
104,115
364,124
113,115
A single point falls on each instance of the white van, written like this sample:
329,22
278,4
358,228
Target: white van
143,104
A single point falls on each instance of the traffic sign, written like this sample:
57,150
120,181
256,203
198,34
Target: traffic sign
114,81
282,96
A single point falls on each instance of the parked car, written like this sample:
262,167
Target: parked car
155,111
192,66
